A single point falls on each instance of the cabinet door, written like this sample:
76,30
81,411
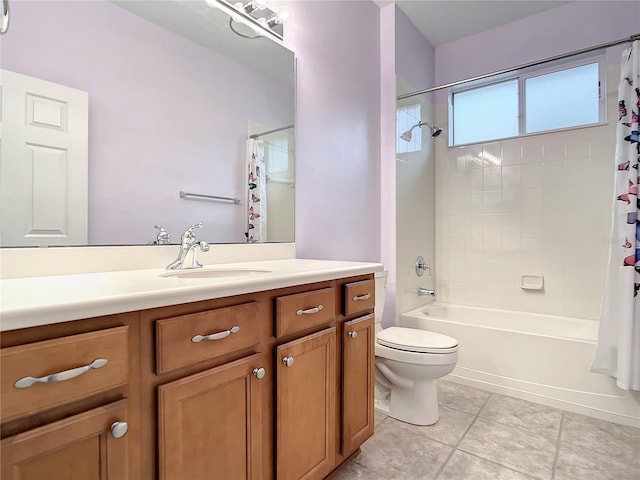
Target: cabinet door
210,424
305,408
81,447
358,363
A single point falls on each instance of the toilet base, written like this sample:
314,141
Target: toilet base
417,405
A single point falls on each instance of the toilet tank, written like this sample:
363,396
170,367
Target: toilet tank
381,287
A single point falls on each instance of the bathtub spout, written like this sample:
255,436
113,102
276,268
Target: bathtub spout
426,291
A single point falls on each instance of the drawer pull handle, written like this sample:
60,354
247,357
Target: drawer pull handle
287,361
119,429
310,311
259,373
353,335
26,382
366,296
216,336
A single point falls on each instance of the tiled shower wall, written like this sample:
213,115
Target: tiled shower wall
533,205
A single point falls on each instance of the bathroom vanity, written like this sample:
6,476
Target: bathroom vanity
256,376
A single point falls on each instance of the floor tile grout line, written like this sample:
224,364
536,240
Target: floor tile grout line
500,465
455,448
510,426
516,426
559,441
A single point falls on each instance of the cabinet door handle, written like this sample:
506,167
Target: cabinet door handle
259,373
310,311
119,429
353,335
26,382
216,336
288,361
366,296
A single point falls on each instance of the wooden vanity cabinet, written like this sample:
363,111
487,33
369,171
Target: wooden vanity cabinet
210,423
265,385
305,406
78,447
206,382
358,376
83,423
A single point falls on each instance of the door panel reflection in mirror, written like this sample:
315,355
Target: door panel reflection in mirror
43,181
173,95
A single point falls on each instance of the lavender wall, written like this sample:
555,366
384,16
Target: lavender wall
415,57
337,45
149,142
573,26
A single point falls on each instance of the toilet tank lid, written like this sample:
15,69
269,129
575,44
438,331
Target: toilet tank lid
415,340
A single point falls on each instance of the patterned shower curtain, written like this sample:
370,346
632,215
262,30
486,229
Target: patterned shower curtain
256,192
618,351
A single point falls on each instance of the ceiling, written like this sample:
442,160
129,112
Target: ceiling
448,20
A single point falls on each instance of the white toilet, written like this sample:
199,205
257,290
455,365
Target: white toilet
408,363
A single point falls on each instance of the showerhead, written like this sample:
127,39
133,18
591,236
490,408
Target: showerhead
435,131
406,136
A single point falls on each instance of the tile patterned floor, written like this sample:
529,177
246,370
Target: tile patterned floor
486,436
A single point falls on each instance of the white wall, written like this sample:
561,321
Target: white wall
542,208
388,226
545,207
415,171
337,45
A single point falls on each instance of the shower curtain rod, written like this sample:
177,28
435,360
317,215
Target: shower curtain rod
256,135
519,67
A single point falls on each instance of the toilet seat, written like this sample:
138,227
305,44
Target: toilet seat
415,340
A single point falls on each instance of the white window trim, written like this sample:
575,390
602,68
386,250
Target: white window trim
522,76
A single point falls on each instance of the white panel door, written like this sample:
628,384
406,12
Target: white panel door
43,162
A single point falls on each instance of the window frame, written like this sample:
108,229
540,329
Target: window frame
521,76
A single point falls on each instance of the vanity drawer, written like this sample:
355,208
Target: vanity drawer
188,339
359,296
69,369
299,312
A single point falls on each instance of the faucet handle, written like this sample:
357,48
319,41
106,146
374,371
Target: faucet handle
163,237
189,231
421,267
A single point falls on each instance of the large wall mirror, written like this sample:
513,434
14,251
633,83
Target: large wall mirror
111,109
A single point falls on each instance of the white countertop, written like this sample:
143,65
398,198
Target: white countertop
34,301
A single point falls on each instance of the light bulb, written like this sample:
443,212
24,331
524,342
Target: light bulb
282,15
255,5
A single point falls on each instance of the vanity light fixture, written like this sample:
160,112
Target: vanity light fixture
278,18
4,24
251,6
255,14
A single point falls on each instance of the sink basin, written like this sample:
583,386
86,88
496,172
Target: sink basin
214,273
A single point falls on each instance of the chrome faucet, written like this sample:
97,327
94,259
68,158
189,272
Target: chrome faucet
425,291
162,238
189,244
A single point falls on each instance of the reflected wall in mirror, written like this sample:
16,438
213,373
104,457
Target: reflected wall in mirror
171,96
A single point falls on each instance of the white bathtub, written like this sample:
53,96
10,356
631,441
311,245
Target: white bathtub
541,358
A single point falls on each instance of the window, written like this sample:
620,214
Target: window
562,99
408,116
528,102
486,112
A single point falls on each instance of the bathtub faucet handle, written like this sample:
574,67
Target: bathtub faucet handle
421,266
425,291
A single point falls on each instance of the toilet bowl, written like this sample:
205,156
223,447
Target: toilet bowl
408,363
